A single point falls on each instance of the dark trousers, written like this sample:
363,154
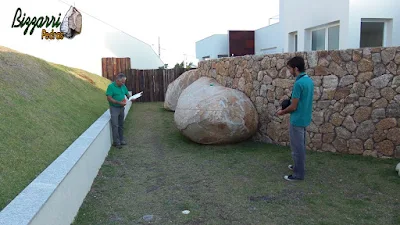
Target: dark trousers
298,146
117,123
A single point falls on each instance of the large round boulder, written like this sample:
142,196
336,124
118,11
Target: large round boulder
209,113
176,87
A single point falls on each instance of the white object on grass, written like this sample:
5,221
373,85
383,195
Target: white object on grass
135,96
398,168
185,211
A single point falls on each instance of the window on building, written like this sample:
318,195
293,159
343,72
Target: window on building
333,38
222,56
318,40
372,34
206,58
326,38
293,42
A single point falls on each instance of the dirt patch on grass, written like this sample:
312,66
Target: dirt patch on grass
84,77
5,49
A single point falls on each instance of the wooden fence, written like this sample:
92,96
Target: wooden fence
112,66
153,83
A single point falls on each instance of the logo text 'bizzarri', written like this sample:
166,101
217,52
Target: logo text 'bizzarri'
37,22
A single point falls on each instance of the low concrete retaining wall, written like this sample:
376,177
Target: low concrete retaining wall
56,195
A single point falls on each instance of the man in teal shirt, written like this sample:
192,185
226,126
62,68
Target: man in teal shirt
300,110
116,92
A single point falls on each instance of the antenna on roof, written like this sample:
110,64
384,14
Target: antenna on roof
159,55
273,18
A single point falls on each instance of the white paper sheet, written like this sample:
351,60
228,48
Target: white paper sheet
135,96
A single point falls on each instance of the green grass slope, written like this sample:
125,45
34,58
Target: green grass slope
44,107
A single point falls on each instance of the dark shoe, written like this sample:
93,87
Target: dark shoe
290,167
291,178
123,142
117,145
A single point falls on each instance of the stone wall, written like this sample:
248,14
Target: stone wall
356,97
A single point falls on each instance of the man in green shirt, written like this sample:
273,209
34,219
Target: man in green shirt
116,93
300,110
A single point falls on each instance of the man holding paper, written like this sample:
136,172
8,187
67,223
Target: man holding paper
116,93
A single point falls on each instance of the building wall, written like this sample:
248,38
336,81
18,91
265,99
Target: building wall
217,44
241,43
373,9
312,14
142,55
347,13
268,40
356,106
302,19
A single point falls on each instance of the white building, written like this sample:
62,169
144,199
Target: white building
309,25
212,47
268,40
343,25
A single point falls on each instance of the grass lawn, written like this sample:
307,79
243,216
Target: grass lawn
161,173
44,107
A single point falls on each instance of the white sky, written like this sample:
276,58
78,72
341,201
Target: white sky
178,23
